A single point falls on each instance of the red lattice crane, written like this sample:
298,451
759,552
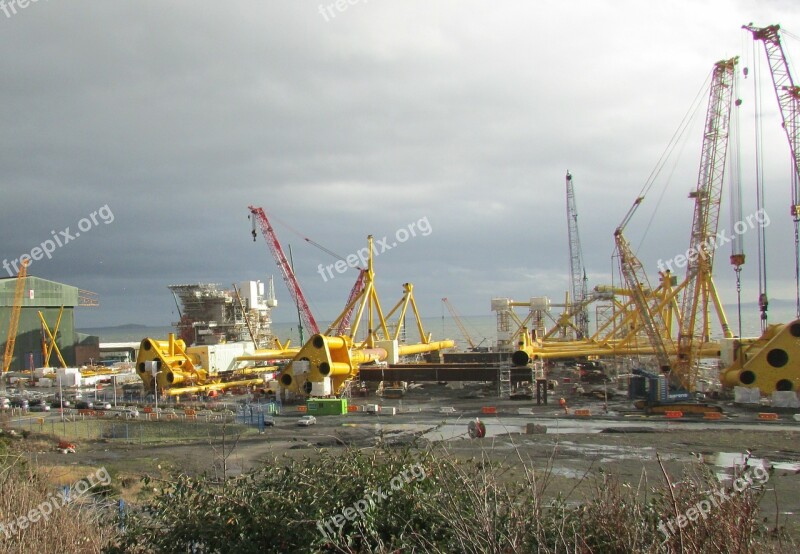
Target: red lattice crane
289,278
355,292
788,95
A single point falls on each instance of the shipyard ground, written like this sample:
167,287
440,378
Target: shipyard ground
569,451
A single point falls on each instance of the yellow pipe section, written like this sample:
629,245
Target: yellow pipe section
408,349
268,355
254,370
213,386
367,355
334,368
710,349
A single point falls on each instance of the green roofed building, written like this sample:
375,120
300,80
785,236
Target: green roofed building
43,296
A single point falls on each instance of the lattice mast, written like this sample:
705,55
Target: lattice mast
694,314
577,272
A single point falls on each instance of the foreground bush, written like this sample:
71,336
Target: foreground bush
35,518
431,502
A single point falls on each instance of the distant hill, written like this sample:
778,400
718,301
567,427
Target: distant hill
114,328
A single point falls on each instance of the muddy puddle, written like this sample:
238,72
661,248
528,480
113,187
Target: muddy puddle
728,464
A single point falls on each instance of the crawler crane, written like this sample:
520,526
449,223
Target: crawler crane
770,362
678,378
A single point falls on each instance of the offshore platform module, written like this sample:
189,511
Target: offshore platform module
324,366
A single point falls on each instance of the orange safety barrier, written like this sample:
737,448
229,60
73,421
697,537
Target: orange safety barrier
100,414
189,412
673,414
712,415
147,410
583,412
351,408
302,408
768,416
489,410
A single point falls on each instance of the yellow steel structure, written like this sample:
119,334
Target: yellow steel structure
48,348
769,363
654,312
16,308
700,290
338,358
324,356
621,335
178,371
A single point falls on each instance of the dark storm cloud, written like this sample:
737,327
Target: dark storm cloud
178,115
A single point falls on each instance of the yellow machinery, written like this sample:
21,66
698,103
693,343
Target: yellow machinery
326,364
622,334
13,325
322,367
51,335
180,370
652,312
769,363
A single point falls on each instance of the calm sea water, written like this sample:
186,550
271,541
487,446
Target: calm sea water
482,329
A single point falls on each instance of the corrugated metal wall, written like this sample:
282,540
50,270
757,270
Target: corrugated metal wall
47,297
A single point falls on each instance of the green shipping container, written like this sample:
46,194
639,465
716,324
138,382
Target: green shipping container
326,406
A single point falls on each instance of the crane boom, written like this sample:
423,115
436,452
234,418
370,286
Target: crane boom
286,270
13,326
576,270
707,197
788,95
646,303
460,323
355,292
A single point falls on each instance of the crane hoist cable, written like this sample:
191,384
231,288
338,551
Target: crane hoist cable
763,302
737,258
788,97
305,238
678,141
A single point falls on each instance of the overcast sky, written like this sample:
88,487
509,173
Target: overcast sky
460,116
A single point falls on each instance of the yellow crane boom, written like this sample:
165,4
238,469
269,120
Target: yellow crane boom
13,326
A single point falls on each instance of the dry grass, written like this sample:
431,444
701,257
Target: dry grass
75,527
